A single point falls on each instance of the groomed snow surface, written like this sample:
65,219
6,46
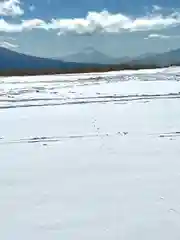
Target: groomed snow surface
90,156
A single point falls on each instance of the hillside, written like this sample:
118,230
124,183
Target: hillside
13,60
163,59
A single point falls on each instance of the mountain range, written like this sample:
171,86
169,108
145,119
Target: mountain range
89,57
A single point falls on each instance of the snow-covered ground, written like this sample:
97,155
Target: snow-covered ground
90,156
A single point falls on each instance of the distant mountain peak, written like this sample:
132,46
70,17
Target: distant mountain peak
89,50
88,55
86,51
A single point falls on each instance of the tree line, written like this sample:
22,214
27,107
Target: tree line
51,71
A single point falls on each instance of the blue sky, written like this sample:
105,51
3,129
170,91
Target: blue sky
53,28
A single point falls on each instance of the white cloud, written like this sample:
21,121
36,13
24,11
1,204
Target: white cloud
93,23
8,27
105,22
157,8
24,25
32,23
98,22
155,35
157,22
8,45
161,36
11,8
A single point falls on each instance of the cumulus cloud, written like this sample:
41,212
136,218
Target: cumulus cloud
10,8
98,22
32,23
8,45
105,22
